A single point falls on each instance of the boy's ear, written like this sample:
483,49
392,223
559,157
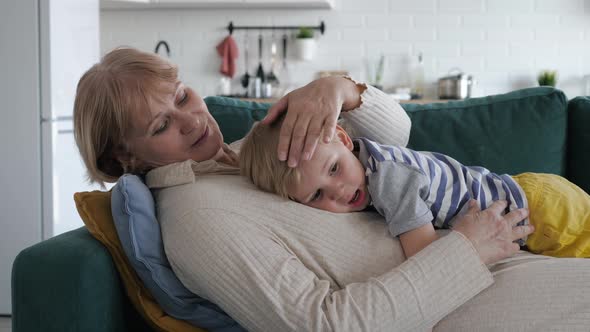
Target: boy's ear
344,138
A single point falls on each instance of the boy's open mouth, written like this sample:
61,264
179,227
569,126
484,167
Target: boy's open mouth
358,195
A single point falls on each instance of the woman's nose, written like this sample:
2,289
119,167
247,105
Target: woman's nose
187,122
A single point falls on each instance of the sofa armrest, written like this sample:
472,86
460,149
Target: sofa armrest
578,141
70,283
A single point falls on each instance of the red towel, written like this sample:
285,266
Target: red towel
228,51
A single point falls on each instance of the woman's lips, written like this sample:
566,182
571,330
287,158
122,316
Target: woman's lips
202,138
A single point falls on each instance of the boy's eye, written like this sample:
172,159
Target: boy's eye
162,127
334,168
316,195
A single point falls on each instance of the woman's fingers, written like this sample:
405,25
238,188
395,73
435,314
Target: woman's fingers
519,232
275,110
313,135
497,207
492,233
472,207
297,140
330,126
285,136
516,216
310,109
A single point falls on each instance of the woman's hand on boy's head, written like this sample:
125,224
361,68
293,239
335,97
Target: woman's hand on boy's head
312,111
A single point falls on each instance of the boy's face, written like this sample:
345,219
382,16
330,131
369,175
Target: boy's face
333,180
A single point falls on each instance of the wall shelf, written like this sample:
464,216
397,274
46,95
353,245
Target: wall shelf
215,4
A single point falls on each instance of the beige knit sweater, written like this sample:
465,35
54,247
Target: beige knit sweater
275,265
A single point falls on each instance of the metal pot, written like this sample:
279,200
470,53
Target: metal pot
455,86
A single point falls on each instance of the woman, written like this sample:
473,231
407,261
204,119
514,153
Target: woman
271,264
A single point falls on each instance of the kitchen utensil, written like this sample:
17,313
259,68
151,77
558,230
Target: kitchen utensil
260,71
284,51
457,85
246,77
165,45
271,77
284,76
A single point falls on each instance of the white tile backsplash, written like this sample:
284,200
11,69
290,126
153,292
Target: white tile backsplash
508,6
503,43
436,20
559,6
473,6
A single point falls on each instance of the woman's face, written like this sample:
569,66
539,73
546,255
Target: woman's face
177,127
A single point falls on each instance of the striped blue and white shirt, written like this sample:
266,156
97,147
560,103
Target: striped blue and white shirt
411,188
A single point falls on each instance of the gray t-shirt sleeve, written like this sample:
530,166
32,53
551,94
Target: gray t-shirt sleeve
398,192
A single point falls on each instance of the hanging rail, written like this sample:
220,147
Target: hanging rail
231,27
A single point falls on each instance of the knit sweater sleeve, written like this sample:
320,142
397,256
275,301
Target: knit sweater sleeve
379,118
267,284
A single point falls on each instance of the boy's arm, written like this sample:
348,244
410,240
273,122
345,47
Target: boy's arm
417,239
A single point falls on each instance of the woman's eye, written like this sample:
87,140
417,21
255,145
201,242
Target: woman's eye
334,169
316,195
162,127
183,98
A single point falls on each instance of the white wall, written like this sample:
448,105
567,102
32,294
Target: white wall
503,43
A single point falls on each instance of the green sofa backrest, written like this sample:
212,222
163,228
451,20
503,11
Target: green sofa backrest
235,117
520,131
578,142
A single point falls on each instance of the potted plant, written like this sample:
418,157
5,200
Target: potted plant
547,77
305,44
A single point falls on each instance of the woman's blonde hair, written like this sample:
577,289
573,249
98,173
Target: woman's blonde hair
107,97
259,161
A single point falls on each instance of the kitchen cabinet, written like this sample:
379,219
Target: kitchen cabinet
155,4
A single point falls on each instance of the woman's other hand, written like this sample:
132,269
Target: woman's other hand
491,233
312,110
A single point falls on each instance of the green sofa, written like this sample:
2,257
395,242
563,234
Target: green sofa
70,283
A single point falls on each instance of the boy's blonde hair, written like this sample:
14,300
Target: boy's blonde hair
259,161
108,96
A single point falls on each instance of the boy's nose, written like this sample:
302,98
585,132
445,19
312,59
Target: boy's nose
337,192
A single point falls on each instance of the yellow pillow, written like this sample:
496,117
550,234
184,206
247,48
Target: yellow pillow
95,210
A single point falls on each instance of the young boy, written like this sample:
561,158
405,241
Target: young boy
417,191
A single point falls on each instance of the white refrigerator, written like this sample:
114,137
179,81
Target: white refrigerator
72,43
47,45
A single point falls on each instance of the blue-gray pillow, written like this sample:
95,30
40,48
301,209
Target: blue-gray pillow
134,214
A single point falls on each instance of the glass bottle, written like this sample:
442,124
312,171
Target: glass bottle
418,78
